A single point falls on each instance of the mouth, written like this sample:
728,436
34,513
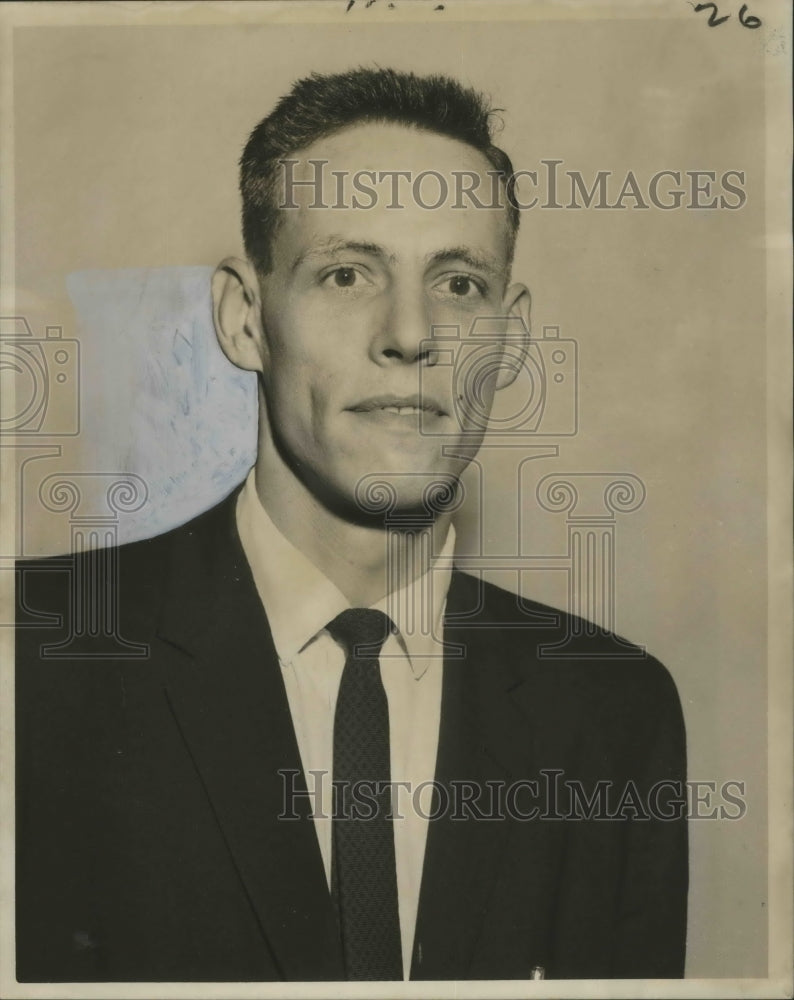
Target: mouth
401,406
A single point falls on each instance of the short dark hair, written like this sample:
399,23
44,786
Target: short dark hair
322,104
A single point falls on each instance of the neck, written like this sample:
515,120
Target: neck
365,561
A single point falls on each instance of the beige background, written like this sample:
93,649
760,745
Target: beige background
126,143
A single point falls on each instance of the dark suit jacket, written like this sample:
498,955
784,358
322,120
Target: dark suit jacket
148,789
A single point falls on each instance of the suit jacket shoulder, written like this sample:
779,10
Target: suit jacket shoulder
543,640
142,566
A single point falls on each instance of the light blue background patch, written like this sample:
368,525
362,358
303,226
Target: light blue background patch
158,396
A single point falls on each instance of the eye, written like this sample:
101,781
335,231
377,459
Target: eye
344,277
462,286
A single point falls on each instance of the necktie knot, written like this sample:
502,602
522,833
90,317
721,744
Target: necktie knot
362,631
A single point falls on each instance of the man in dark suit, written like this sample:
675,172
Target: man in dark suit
247,801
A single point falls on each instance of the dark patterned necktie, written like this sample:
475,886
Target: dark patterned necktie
363,869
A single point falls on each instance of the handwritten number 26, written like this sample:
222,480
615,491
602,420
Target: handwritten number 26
745,19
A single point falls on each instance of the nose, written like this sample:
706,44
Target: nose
405,328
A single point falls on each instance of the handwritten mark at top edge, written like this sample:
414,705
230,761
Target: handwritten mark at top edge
351,4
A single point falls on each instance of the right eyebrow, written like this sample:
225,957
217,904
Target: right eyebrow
335,245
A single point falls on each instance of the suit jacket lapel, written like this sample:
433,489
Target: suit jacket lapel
228,697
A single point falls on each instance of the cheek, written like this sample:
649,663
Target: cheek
302,394
307,336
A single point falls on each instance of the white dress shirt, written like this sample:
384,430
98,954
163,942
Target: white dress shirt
300,601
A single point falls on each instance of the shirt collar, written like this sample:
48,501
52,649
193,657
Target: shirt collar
300,600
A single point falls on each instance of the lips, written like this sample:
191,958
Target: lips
403,406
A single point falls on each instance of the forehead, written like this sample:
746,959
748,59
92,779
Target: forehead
392,146
398,186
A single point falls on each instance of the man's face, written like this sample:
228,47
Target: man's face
353,389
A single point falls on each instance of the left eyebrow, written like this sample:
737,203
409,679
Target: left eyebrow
479,260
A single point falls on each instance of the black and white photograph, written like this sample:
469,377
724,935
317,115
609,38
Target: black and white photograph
395,575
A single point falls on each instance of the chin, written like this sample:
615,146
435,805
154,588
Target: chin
423,460
405,490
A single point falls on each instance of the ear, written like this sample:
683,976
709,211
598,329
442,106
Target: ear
236,313
516,305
